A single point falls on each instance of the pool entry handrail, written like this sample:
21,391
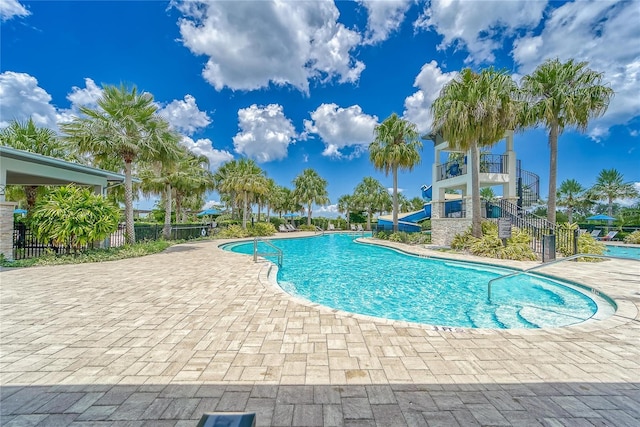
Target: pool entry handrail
569,258
256,254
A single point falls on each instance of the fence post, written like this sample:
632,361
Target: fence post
576,235
548,247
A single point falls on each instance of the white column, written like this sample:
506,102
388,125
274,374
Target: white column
6,229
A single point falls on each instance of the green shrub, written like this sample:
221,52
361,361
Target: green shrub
276,221
633,238
490,245
400,237
589,245
306,227
233,231
382,235
262,229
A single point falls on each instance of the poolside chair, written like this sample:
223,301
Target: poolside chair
360,228
282,228
595,233
331,227
291,228
353,227
610,235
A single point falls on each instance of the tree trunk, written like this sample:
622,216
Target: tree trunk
553,172
268,212
476,215
166,230
178,206
570,214
369,213
31,193
309,215
395,198
259,205
244,210
128,204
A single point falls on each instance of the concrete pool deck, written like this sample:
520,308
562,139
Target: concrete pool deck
162,339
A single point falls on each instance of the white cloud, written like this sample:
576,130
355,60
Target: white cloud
328,211
79,97
11,8
250,45
23,98
384,17
390,190
341,128
265,133
480,27
205,147
604,33
185,116
429,82
631,202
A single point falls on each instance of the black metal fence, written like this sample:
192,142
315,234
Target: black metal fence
26,245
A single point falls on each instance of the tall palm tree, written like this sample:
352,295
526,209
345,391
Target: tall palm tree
370,195
395,146
310,188
270,196
563,95
125,127
475,110
241,177
224,182
345,205
609,186
27,136
190,182
570,194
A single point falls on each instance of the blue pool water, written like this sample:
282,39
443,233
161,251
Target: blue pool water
623,251
335,271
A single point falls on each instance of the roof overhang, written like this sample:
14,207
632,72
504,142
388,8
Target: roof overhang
18,167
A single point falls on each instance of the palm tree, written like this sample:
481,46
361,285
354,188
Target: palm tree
270,196
29,137
310,188
609,186
370,196
570,194
241,177
345,205
190,182
125,127
563,95
394,147
475,110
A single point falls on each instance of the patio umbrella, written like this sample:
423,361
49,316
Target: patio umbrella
19,211
290,215
600,217
208,212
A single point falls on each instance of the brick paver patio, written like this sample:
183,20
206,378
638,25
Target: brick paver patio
160,340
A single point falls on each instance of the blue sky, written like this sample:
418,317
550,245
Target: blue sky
298,85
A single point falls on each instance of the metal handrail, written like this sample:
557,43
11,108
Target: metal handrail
256,254
550,263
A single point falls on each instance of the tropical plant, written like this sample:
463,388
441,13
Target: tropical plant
27,136
310,188
570,194
490,245
370,196
633,238
416,203
395,147
123,128
73,216
475,110
610,186
562,95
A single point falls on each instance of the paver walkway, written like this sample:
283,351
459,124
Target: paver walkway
162,339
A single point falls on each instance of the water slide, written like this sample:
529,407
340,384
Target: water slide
409,221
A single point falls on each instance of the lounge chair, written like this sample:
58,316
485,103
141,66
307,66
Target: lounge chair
610,235
291,228
331,227
595,233
282,228
353,227
360,228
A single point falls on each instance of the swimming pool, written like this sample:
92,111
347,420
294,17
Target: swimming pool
623,251
335,271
